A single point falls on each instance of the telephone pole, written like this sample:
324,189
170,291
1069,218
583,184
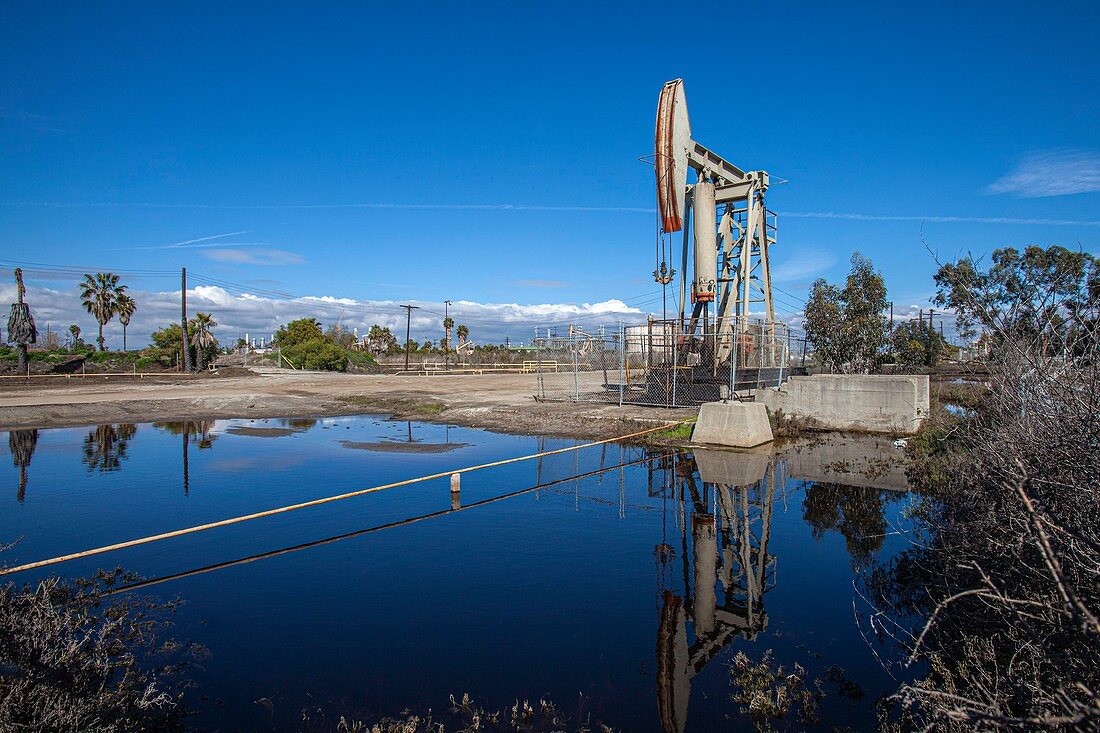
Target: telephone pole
447,331
408,329
185,354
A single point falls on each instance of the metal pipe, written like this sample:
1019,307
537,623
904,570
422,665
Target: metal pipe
705,275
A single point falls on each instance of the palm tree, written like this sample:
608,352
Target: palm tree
448,324
125,307
99,296
463,333
202,339
21,328
74,336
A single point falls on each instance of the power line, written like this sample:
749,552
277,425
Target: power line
80,270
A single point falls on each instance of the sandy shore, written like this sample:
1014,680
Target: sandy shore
502,402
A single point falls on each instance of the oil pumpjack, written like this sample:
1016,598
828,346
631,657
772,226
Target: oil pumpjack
728,231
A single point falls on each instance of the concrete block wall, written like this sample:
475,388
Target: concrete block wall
894,404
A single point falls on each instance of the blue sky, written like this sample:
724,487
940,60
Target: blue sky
358,151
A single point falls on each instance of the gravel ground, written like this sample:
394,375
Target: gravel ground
500,402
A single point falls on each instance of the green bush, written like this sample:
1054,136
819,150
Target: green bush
164,357
102,357
298,333
317,354
362,360
146,361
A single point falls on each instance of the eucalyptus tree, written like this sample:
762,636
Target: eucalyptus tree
847,325
125,307
1047,295
99,296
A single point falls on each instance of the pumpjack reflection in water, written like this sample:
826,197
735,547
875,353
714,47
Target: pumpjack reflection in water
728,516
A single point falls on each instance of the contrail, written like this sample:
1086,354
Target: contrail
845,216
284,207
204,244
189,243
939,219
206,239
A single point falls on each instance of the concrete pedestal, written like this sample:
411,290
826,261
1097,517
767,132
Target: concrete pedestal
734,424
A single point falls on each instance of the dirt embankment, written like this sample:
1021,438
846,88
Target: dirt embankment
500,402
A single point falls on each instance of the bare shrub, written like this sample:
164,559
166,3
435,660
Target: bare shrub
772,695
1004,591
71,661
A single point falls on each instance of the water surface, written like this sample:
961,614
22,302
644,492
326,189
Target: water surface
618,576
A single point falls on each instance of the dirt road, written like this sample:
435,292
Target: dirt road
502,402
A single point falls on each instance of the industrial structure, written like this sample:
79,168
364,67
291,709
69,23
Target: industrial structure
705,353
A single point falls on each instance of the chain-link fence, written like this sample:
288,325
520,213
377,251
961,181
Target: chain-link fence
658,364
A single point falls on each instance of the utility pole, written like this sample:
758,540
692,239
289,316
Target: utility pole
891,316
408,328
931,327
447,331
183,322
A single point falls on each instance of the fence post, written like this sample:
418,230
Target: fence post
782,361
576,370
788,343
733,359
675,364
622,359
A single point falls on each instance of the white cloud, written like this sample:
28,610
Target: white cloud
240,313
802,266
254,257
1051,173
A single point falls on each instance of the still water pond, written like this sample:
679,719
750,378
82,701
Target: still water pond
623,577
